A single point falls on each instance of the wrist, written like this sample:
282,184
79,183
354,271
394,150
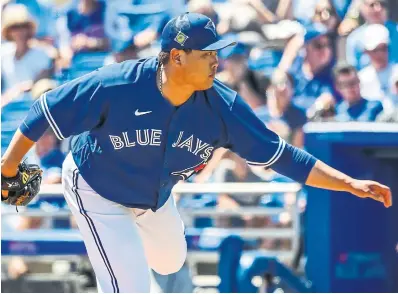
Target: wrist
349,184
8,170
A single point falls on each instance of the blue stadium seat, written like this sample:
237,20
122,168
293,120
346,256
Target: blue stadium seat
11,117
256,263
88,61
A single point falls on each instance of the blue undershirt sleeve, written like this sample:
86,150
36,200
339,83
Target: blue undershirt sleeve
251,139
294,163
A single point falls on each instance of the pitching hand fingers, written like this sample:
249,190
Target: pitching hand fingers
382,194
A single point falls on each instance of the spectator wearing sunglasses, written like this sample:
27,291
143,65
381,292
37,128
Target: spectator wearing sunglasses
249,84
312,75
325,15
375,78
281,115
373,12
353,107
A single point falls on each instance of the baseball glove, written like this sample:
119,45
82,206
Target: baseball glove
24,186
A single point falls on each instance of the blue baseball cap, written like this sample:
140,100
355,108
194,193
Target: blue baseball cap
192,31
314,31
119,46
230,52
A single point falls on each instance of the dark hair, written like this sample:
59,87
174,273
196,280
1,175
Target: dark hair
164,56
343,69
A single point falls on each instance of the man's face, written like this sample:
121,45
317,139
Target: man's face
374,11
319,51
348,86
198,68
20,33
379,56
236,66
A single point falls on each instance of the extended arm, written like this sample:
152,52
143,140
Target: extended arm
326,177
249,137
303,167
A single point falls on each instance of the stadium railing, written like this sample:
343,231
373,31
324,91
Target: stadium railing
203,243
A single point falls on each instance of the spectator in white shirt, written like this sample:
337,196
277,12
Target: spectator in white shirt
394,86
21,62
375,78
373,12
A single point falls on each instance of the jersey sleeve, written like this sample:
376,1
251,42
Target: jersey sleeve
248,136
73,108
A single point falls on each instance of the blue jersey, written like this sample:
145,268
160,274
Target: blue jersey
364,110
133,145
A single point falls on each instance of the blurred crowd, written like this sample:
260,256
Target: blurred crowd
296,61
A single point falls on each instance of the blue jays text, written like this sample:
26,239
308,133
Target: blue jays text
132,145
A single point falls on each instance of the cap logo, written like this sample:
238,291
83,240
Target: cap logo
182,22
210,26
181,38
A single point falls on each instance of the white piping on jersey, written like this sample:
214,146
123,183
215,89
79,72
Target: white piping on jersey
44,106
275,157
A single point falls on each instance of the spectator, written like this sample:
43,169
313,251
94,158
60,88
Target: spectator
312,78
280,115
374,12
233,60
325,15
236,74
22,63
303,10
375,78
353,107
43,17
82,30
